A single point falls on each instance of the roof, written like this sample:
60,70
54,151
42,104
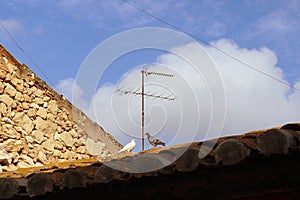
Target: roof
258,164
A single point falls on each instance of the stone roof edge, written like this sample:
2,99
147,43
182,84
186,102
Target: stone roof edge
269,144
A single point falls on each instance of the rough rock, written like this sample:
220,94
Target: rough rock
38,136
94,148
10,90
8,100
42,112
24,121
49,145
67,138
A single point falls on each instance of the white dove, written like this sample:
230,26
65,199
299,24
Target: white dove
128,147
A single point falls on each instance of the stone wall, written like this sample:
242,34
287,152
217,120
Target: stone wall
39,126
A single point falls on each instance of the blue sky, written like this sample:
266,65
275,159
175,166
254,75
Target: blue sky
59,35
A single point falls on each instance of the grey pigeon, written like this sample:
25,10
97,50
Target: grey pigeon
154,141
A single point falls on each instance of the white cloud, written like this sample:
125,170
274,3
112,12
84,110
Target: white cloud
253,100
67,88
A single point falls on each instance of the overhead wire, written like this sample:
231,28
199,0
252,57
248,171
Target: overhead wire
26,54
209,44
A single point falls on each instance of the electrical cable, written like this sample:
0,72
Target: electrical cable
26,54
207,43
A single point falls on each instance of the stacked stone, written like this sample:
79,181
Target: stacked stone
35,127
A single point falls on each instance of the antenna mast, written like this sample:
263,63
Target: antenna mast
143,94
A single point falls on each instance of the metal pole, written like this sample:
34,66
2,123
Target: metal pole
143,112
143,94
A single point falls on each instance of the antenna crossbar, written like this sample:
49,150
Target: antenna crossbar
157,73
147,94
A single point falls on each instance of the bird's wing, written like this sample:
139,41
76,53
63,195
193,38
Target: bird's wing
127,146
132,146
151,139
157,141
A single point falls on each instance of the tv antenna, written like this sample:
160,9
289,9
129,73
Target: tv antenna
142,93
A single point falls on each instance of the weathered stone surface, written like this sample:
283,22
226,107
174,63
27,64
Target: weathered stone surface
57,153
45,104
19,96
80,141
22,164
18,84
12,133
8,100
3,108
39,184
26,98
74,133
58,145
24,121
48,128
10,90
53,107
38,101
8,144
275,142
11,68
51,117
8,77
38,136
66,137
31,112
46,99
27,160
25,105
2,74
42,112
56,136
34,105
49,145
7,120
94,148
106,174
5,158
74,178
38,93
189,161
8,188
231,151
42,157
29,139
81,149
